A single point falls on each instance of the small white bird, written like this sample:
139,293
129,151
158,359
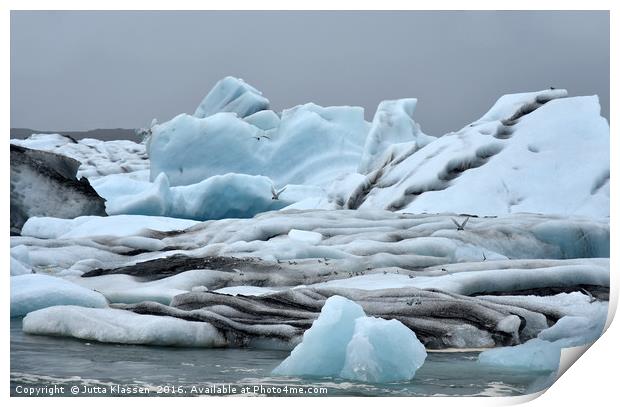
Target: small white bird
460,226
275,195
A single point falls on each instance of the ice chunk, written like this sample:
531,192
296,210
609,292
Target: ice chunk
35,291
322,351
305,236
382,351
543,352
232,95
535,354
343,342
120,326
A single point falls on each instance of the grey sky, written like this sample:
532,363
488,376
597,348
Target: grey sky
84,70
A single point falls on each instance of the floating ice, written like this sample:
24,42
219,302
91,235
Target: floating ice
382,351
323,349
343,342
119,326
35,291
543,353
534,355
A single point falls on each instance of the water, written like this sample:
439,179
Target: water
39,362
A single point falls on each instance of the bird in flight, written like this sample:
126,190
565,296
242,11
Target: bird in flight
460,226
275,195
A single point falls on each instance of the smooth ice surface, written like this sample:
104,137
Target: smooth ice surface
343,342
36,291
232,95
119,326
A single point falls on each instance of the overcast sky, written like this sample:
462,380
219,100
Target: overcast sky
85,70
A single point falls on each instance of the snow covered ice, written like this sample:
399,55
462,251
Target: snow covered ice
343,342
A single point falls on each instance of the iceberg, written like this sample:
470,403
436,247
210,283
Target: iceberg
534,355
344,342
31,292
519,157
323,349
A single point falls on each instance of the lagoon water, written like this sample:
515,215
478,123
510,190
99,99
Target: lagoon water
56,365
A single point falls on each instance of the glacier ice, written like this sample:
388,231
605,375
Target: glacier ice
264,120
232,95
119,326
344,342
311,145
393,129
519,157
217,197
516,158
31,292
